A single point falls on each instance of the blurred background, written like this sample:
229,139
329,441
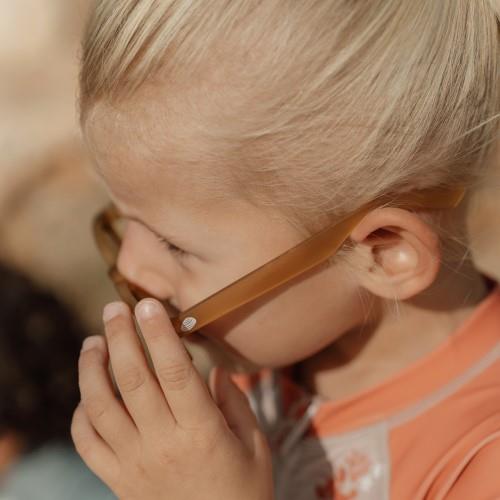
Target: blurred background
47,199
53,284
47,195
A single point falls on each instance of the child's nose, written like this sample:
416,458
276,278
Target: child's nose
141,262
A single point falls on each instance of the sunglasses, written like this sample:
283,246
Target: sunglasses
293,262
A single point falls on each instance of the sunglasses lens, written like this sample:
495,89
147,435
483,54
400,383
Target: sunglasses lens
119,225
109,230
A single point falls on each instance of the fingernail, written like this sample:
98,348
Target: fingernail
113,309
147,308
91,342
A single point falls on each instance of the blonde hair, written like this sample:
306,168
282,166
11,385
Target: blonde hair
332,102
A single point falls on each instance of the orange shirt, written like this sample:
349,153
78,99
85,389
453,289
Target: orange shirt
430,432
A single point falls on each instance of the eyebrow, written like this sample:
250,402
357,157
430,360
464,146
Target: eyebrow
169,238
136,219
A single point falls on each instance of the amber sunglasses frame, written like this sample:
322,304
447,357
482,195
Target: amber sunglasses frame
286,266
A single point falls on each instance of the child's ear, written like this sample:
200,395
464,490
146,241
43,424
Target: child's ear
398,254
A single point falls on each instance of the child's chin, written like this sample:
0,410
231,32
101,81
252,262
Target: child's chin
207,352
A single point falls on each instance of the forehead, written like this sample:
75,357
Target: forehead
157,169
142,149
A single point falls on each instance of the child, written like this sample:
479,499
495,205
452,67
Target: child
227,133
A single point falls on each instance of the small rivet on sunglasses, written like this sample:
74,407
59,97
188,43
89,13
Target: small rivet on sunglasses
188,324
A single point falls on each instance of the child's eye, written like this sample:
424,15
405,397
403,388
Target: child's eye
170,247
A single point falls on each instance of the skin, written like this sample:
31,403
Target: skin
168,436
397,283
335,323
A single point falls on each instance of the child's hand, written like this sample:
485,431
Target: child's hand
167,439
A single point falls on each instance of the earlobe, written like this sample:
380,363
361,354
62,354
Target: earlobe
399,254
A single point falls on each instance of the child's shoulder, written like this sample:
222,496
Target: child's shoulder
472,472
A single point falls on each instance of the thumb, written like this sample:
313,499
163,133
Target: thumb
235,407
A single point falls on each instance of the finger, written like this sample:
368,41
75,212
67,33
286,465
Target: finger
104,410
138,387
98,456
187,394
235,407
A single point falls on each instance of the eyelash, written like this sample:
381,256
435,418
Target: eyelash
171,248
